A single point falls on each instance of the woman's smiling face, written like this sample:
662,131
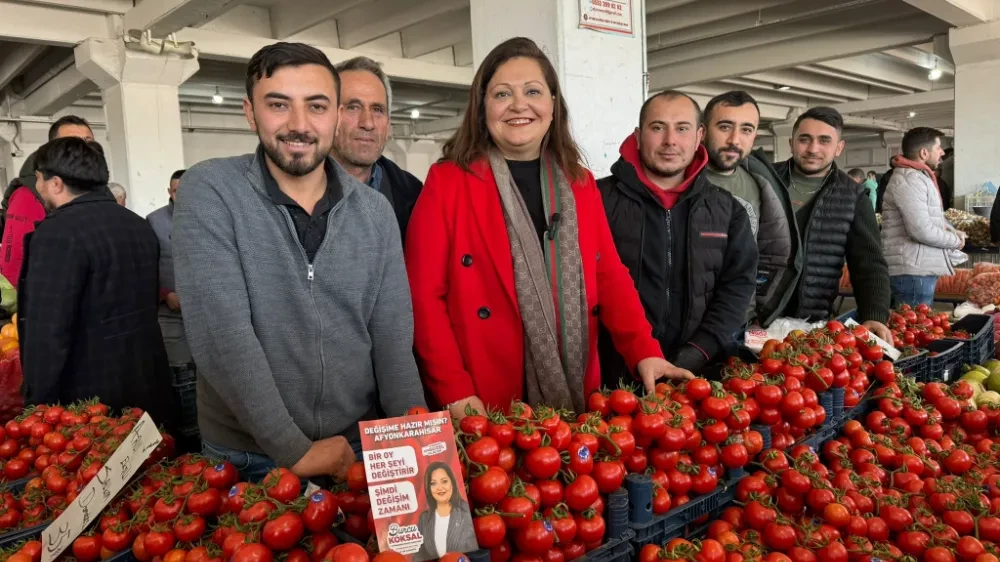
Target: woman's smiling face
441,486
519,108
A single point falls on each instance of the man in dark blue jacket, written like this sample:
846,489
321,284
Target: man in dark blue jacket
364,128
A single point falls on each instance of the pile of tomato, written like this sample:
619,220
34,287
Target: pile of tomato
783,389
65,448
918,327
917,479
539,479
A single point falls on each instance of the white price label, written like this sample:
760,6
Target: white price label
887,347
97,494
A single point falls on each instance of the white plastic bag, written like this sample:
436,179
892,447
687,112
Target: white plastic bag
755,336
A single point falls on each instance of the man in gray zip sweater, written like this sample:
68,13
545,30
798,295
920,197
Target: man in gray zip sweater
290,274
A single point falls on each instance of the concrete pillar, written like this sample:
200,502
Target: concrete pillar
143,117
782,140
601,74
976,50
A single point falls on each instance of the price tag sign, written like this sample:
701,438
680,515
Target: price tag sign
96,495
892,352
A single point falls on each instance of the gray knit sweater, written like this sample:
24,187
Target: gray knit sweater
289,353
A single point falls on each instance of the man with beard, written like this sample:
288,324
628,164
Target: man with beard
88,292
687,243
731,121
364,127
291,278
837,224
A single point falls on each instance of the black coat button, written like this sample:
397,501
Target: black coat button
484,313
596,311
467,260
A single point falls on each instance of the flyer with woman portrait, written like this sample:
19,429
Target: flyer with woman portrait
416,487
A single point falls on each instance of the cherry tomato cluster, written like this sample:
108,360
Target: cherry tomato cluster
918,327
66,448
916,480
539,479
783,390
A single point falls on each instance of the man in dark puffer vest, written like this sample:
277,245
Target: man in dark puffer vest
731,120
687,243
837,222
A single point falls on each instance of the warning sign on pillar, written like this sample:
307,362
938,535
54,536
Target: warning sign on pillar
609,16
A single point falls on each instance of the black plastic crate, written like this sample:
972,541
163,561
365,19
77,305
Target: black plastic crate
862,408
980,346
944,360
615,550
16,486
8,540
675,522
914,366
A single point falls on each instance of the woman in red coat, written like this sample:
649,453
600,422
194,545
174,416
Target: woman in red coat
510,258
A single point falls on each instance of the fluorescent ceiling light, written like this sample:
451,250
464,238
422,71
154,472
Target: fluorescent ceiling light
415,114
935,74
217,99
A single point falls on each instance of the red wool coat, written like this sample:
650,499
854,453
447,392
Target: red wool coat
468,334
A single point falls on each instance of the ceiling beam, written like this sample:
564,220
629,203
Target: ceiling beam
40,23
897,102
959,13
163,17
62,90
768,112
99,6
870,36
921,58
817,29
880,68
800,80
239,48
700,13
16,60
438,125
289,18
436,34
654,6
365,23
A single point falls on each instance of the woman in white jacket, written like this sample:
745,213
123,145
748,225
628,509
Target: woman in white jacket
918,242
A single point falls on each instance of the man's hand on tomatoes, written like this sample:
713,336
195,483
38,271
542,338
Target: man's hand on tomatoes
327,457
880,330
652,369
461,408
173,302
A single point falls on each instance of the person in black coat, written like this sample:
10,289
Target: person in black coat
89,291
688,244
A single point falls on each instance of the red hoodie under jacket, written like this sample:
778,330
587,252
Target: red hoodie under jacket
468,334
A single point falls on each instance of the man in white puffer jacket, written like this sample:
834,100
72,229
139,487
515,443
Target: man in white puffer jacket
918,242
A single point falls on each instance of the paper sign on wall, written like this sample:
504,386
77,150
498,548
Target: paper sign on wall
609,16
97,494
415,484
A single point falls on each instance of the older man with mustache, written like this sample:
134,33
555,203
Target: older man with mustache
363,130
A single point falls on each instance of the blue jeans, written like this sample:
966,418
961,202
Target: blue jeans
913,289
253,467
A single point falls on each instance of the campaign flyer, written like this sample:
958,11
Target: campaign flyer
416,487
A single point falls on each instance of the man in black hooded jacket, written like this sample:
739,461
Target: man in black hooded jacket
687,243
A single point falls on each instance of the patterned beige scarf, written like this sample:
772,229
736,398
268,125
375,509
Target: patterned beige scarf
549,286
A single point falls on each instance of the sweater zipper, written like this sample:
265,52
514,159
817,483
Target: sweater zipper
311,276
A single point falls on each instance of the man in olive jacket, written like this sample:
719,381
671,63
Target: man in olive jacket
731,121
